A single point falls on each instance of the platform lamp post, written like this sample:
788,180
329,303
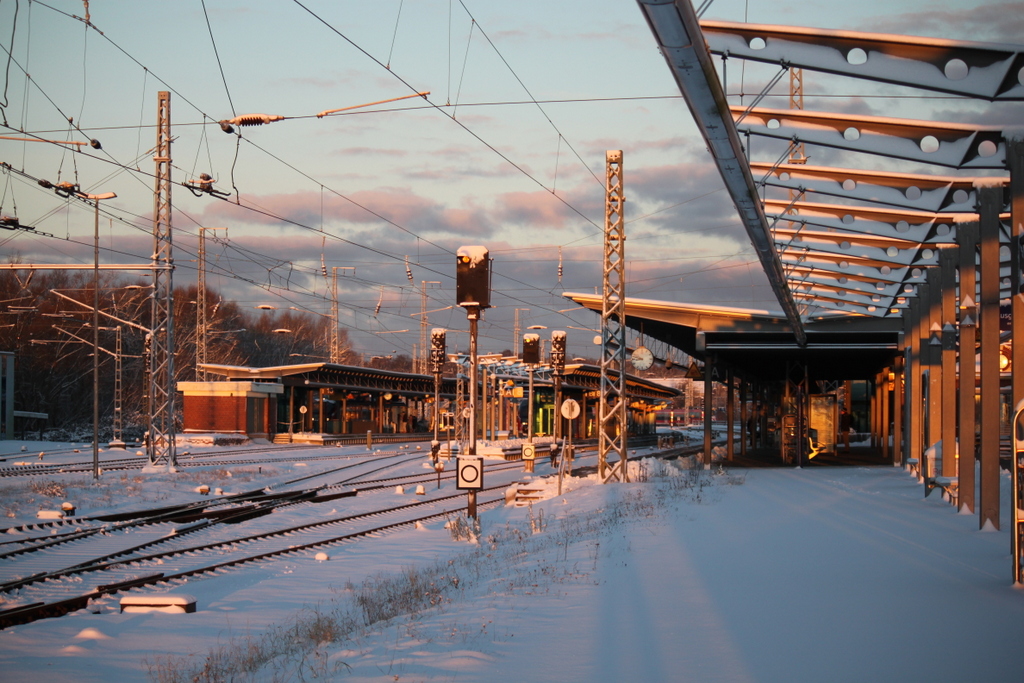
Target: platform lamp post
472,292
95,199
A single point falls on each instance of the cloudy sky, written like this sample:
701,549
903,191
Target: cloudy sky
506,151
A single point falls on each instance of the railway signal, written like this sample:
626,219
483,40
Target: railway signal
473,277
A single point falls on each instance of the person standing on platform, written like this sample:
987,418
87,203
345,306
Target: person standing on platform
845,425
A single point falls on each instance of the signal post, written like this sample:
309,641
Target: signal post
531,357
472,292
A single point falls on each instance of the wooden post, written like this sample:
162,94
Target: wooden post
730,414
967,238
948,257
708,409
898,447
990,200
912,373
744,433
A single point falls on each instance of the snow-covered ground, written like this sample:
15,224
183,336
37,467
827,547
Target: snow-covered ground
823,574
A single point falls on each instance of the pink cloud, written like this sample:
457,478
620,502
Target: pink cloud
1003,22
539,209
400,206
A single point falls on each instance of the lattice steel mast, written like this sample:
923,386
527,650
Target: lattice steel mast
118,386
161,351
335,340
202,323
612,415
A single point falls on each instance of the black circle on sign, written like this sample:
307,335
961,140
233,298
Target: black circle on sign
469,472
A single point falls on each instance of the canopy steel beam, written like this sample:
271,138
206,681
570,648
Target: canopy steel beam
914,192
899,221
987,71
846,240
943,144
675,26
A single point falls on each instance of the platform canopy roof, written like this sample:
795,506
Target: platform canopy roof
853,241
760,344
356,378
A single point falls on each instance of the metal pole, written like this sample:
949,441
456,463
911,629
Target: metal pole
437,405
420,363
335,341
516,339
117,441
96,345
612,408
730,413
709,363
474,315
744,434
161,372
483,403
202,324
529,421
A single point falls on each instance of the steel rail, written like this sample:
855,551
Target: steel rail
40,610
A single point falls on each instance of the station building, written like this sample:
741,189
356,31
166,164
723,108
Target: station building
327,402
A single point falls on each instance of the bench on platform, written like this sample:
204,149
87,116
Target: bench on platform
949,485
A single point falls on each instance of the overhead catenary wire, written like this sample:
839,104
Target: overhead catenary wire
216,54
528,286
451,117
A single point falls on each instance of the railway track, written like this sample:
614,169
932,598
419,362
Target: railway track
207,507
230,510
66,571
55,593
28,467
